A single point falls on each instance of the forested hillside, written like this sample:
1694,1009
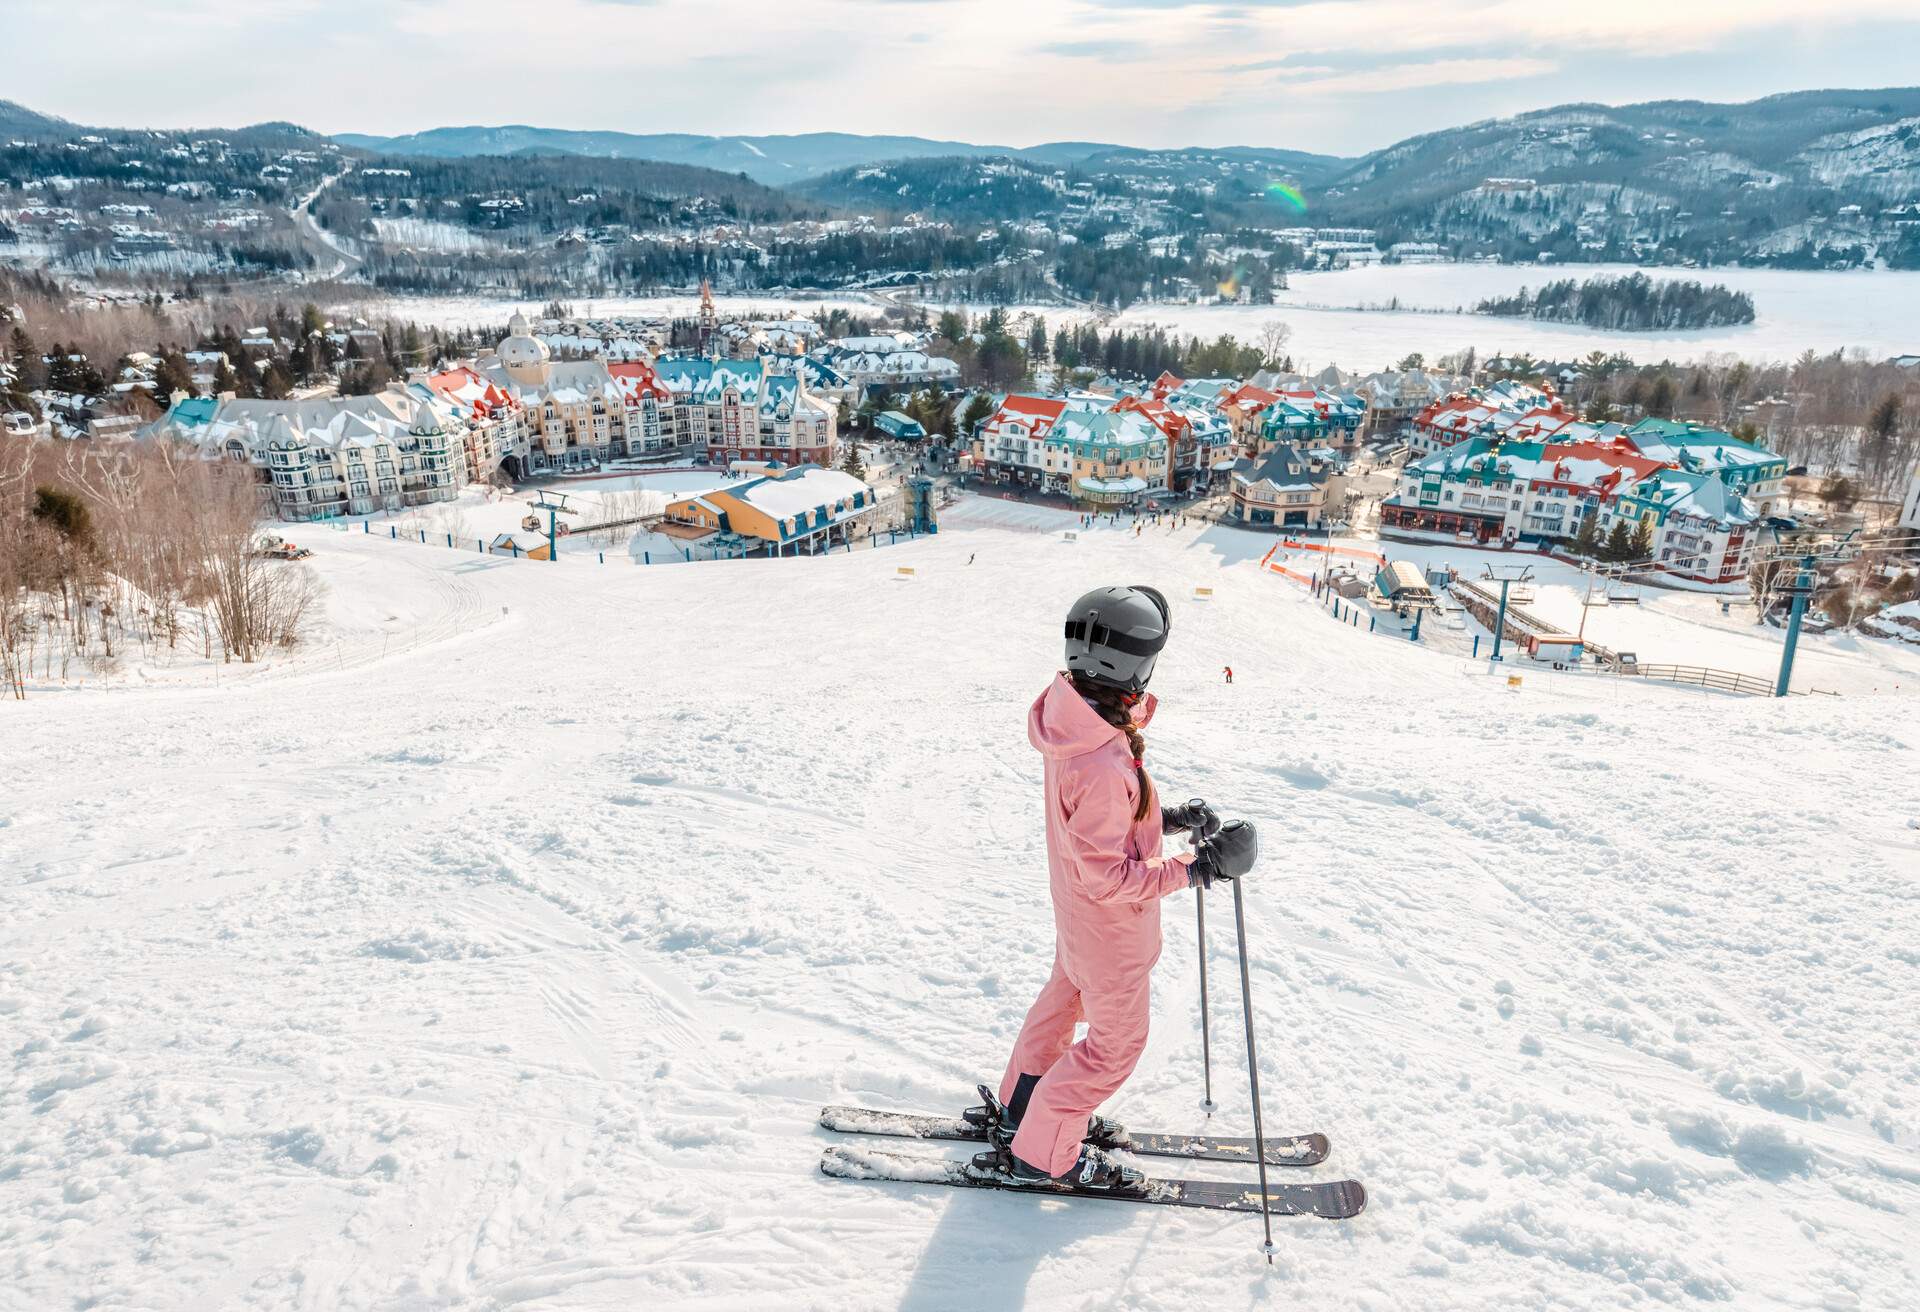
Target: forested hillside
1773,181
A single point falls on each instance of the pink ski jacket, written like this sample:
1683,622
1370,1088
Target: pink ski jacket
1106,869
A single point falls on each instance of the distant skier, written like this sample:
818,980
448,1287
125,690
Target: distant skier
1228,669
970,557
1104,829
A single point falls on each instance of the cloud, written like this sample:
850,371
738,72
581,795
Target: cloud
1341,76
1337,58
1432,73
1112,48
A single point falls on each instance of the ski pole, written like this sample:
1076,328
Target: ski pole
1195,836
1253,1069
1206,1041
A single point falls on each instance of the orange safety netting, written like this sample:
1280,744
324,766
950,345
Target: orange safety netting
1356,552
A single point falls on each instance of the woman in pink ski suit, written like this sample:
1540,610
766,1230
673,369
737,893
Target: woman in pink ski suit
1104,831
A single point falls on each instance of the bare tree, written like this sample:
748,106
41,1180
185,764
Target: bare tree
1274,336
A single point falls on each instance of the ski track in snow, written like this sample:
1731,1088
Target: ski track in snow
522,989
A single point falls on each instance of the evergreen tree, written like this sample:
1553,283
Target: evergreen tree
274,383
1619,543
172,375
1587,541
29,368
979,407
1642,545
850,461
1660,397
70,371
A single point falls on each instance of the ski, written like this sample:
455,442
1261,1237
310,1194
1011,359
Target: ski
1289,1150
1332,1201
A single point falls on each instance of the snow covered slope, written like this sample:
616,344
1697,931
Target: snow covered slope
509,967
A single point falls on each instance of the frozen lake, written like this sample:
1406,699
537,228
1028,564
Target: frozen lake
1336,317
1340,317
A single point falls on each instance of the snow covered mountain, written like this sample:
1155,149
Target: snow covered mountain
500,949
1687,178
769,159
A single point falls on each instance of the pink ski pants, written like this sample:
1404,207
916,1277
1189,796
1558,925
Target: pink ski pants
1075,1077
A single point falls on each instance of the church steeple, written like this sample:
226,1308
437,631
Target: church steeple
709,320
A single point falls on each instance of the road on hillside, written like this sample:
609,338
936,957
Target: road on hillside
323,243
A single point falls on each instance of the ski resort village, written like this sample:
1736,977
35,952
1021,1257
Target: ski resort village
607,717
562,829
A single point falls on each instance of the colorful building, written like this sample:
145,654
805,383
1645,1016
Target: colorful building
1503,410
802,510
1309,417
1286,488
1106,458
1245,410
1746,468
1010,444
1504,493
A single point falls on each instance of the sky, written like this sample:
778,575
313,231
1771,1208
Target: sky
1333,76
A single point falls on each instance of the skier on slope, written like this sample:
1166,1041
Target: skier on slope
1104,829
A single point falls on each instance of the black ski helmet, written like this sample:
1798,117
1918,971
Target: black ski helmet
1115,634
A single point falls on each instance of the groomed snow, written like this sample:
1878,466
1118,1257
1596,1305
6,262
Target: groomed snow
510,967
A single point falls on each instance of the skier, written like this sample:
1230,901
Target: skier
1104,830
1229,672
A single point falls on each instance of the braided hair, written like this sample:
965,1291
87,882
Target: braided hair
1111,705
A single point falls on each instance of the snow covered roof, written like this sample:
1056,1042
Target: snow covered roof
331,423
1106,428
1284,467
909,363
1703,450
805,487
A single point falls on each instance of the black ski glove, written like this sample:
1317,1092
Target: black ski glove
1196,817
1228,855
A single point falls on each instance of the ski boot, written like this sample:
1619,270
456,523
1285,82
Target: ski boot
1001,1124
1092,1173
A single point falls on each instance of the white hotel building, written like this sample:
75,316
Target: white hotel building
332,456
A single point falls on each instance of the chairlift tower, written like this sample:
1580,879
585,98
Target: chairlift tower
555,504
1824,549
1506,578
